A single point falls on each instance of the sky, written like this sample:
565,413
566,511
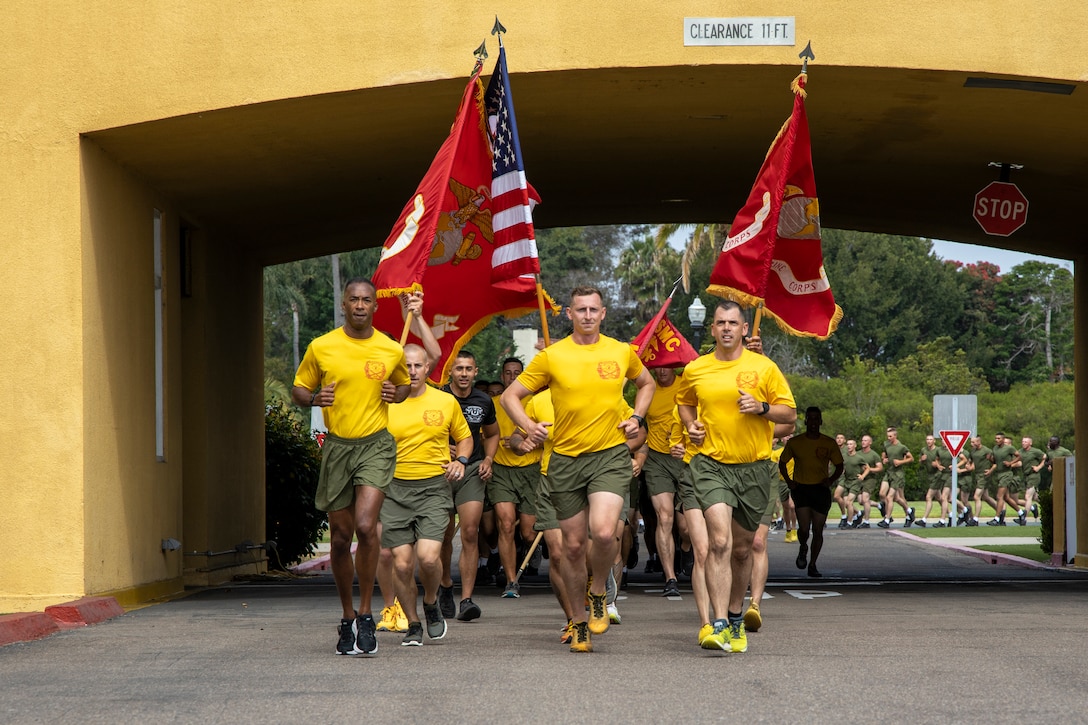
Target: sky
1003,258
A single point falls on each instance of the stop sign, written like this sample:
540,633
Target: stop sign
1000,209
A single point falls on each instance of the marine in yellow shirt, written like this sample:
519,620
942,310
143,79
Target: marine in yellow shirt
590,467
418,502
353,373
729,401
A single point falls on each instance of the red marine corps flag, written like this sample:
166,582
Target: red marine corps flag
466,236
772,254
660,344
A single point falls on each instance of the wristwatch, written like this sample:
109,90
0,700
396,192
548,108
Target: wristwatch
766,408
462,460
641,421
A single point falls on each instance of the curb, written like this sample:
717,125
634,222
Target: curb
320,563
993,557
27,626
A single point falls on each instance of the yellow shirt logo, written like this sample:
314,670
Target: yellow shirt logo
748,379
433,418
375,370
608,369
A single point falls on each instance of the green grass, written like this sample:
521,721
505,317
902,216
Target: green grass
976,532
1025,551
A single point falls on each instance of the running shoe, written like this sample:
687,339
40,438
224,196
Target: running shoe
388,620
940,524
705,631
881,507
613,614
752,619
400,617
791,536
843,524
864,525
671,589
469,610
366,642
802,558
718,638
445,601
1022,519
883,524
910,516
566,635
610,588
414,637
814,572
346,644
921,523
436,623
580,642
738,640
512,591
1035,510
598,614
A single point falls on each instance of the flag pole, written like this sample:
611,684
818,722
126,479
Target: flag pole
756,321
543,312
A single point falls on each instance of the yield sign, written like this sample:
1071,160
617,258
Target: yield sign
954,440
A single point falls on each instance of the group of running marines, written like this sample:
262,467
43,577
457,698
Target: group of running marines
405,465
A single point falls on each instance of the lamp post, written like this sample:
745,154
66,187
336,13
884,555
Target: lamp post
697,316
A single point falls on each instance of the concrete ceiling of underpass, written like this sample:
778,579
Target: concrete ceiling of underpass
895,151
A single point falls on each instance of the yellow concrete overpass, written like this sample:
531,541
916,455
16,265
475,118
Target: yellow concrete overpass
231,137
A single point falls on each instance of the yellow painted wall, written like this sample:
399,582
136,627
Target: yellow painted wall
84,502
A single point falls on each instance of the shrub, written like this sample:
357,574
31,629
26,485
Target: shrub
1046,521
292,463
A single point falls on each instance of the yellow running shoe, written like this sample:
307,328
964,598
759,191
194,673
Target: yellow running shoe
791,536
388,621
566,635
401,618
718,637
581,642
598,614
705,631
752,619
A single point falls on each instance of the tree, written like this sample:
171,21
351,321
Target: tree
649,269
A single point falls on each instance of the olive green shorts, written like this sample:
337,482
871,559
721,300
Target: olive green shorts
545,512
470,488
350,462
516,485
871,485
686,492
1032,480
662,473
895,477
746,487
852,486
1006,480
572,478
415,510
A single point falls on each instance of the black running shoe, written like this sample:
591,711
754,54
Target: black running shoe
671,589
445,601
910,516
881,507
802,558
920,523
469,610
436,623
883,524
366,640
414,637
346,630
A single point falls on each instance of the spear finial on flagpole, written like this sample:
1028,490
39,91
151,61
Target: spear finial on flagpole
481,53
498,29
806,55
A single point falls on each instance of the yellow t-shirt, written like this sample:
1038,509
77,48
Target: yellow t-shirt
660,418
813,459
586,381
423,427
679,434
504,456
713,386
540,409
358,367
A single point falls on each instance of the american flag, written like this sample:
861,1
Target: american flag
512,198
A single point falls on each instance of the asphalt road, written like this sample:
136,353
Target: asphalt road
897,630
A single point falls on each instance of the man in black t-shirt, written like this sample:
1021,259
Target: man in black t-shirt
468,493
